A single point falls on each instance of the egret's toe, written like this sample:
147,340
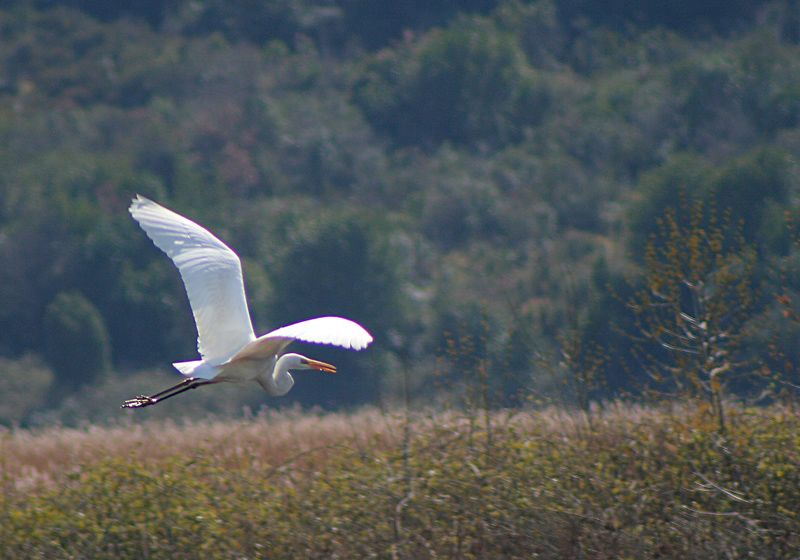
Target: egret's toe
138,402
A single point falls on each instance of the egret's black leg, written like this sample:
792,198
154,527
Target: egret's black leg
143,400
185,385
169,389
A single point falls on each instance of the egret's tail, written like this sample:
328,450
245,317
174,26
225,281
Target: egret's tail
197,368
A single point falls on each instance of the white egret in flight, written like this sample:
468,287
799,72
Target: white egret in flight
229,350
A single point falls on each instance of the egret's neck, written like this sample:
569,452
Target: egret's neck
281,380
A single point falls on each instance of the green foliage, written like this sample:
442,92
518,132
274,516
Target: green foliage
24,386
768,82
342,266
76,341
464,205
748,184
536,24
510,144
374,25
150,10
683,176
467,193
468,84
378,24
250,20
643,484
748,189
685,15
517,361
690,314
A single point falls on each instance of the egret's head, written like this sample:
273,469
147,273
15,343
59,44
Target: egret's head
297,361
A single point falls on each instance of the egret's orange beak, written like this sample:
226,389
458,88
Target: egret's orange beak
322,366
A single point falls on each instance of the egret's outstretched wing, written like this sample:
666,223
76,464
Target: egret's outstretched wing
212,274
322,330
326,330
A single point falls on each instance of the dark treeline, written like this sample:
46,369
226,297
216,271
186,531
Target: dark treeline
479,183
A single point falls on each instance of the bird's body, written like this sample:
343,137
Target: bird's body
229,349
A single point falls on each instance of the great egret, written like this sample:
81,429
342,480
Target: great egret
228,347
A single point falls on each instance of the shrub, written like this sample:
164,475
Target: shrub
748,188
468,84
24,384
76,342
644,484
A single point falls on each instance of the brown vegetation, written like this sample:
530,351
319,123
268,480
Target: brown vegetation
36,458
636,482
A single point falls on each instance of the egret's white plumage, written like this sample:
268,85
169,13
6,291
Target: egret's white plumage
228,347
212,274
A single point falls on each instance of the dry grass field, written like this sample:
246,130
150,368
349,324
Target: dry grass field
37,459
636,483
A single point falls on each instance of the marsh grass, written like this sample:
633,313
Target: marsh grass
38,458
637,483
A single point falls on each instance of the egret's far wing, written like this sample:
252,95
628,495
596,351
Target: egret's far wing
322,330
212,274
326,330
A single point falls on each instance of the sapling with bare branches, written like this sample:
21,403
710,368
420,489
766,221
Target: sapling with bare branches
697,294
581,365
782,366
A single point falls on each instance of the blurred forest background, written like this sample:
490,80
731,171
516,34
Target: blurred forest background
499,190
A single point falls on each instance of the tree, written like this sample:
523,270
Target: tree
469,84
698,293
24,383
682,15
380,23
682,176
752,188
76,340
341,267
748,184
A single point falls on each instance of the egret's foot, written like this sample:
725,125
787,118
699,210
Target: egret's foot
139,402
